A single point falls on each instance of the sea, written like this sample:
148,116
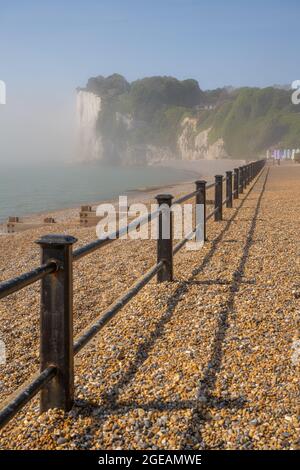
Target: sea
30,189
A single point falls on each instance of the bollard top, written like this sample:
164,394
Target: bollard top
229,172
200,182
218,177
164,197
54,239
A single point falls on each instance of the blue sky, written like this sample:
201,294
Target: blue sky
47,48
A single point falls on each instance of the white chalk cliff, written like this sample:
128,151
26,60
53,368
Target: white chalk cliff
191,144
88,107
194,144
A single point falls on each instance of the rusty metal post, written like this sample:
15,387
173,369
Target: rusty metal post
228,189
56,323
241,181
248,174
218,197
236,184
245,176
165,238
201,199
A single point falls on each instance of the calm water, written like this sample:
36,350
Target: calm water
41,189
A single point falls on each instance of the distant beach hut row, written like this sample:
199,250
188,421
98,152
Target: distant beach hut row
282,154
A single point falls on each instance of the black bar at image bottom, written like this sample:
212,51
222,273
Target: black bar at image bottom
134,459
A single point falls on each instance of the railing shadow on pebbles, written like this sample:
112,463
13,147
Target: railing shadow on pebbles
208,382
55,382
111,404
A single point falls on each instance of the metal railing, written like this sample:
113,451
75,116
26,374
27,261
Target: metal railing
55,382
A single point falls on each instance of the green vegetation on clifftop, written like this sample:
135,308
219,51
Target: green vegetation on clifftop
150,112
253,120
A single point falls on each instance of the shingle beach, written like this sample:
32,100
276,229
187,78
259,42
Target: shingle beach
209,361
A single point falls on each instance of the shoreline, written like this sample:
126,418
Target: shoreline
67,214
142,194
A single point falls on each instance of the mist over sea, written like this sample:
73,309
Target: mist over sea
25,190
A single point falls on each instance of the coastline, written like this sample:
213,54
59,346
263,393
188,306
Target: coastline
204,169
65,215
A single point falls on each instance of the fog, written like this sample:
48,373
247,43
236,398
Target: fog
37,127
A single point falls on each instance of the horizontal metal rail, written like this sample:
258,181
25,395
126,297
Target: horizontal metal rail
115,307
182,242
210,185
27,393
179,245
182,199
14,285
95,245
209,216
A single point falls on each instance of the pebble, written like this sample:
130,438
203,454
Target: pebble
61,440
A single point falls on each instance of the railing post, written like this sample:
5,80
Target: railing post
165,238
201,200
228,189
245,176
56,323
241,180
236,184
218,197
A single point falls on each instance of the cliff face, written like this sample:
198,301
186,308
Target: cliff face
141,123
191,145
194,144
92,144
88,107
161,118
